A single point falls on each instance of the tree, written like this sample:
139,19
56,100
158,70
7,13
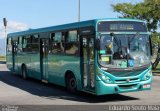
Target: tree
148,10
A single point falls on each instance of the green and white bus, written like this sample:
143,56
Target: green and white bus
102,56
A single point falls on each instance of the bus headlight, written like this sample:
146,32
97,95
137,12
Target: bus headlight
105,78
147,76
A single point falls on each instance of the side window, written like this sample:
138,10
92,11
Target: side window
19,40
57,43
51,41
19,44
15,44
24,44
35,43
9,41
71,46
9,44
27,43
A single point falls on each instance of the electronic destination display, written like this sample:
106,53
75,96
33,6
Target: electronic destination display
122,26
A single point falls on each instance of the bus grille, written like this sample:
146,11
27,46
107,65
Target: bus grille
127,80
127,86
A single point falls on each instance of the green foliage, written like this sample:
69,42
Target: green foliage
148,10
2,58
155,39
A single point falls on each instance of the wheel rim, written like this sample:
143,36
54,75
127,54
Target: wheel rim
72,83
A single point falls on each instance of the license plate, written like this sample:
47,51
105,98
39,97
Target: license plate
146,86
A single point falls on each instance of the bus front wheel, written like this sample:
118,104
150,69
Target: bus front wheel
71,83
24,72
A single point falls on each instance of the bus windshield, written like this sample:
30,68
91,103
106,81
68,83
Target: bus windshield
124,50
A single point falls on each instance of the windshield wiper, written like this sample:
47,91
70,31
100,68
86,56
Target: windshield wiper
136,35
130,40
115,39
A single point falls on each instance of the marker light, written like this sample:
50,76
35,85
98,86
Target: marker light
105,78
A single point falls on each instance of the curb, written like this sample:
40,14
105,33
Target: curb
2,62
156,74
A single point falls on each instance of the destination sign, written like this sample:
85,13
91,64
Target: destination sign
121,26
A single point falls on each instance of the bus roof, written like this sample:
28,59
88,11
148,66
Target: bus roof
69,26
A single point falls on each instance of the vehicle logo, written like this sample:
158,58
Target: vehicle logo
128,80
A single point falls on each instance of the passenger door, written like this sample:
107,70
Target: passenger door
44,59
14,55
87,63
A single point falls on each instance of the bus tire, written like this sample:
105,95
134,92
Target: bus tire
24,72
71,83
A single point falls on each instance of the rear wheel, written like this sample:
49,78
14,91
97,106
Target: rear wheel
24,72
71,83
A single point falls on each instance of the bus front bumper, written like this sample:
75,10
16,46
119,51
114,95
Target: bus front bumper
103,88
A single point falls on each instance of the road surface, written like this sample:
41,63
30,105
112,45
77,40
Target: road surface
16,91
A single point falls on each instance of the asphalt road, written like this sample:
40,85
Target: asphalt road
16,91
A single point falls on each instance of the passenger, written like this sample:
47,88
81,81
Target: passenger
118,55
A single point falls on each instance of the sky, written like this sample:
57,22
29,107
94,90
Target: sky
31,14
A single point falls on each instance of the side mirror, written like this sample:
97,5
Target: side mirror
97,44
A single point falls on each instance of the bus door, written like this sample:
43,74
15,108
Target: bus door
14,54
44,59
87,52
